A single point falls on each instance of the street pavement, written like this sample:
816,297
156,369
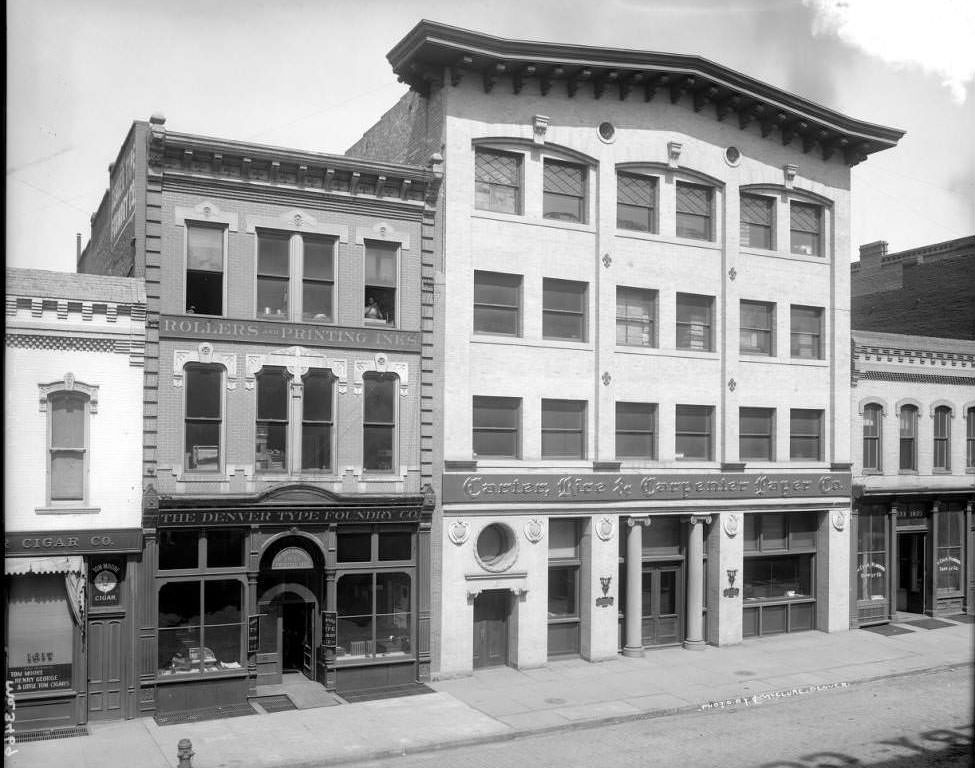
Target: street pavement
504,703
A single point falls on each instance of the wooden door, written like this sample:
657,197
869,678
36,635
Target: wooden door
105,668
662,603
491,609
911,572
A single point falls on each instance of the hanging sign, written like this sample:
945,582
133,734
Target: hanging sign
106,581
329,629
254,632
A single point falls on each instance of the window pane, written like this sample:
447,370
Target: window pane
317,396
272,254
563,414
222,601
694,322
377,448
562,591
204,292
396,545
636,199
806,332
178,549
272,396
68,420
203,446
225,548
203,392
563,538
693,211
497,299
316,446
636,311
179,604
381,264
693,432
498,320
805,224
271,449
272,295
773,532
316,301
692,418
67,475
497,181
662,537
563,326
496,412
354,547
378,398
204,248
318,257
562,445
564,295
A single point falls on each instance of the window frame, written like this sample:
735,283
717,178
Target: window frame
393,381
795,335
519,188
875,439
296,277
708,412
582,407
391,320
769,435
223,228
709,218
571,564
770,206
651,432
631,296
329,423
583,198
515,309
582,314
218,420
652,210
769,307
908,439
819,435
816,234
708,325
515,431
941,438
85,396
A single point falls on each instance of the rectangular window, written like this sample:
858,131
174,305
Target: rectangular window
67,452
379,421
872,554
970,438
757,216
807,332
942,438
563,429
497,425
636,317
806,223
564,564
806,435
497,181
374,615
316,421
497,303
200,626
564,309
318,279
204,269
636,431
271,447
39,635
756,434
756,329
380,277
694,211
948,556
564,194
908,438
694,322
636,202
273,274
694,429
203,418
871,437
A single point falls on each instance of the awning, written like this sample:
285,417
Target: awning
21,566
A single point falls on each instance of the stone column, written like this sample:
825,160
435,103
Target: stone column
694,639
633,618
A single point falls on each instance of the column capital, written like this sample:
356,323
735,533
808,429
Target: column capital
644,520
696,519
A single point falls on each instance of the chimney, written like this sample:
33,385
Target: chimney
872,253
77,245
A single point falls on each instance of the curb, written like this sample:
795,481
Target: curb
598,722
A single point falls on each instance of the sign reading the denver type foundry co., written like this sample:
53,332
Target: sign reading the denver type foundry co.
498,489
322,515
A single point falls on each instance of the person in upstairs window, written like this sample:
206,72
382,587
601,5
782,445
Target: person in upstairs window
373,312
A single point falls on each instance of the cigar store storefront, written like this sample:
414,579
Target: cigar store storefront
295,580
69,631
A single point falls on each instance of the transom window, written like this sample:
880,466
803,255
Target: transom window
68,446
497,425
908,438
872,443
379,421
636,317
756,328
757,217
694,322
636,431
203,418
497,181
806,435
806,223
295,277
807,332
204,269
563,429
636,202
756,434
497,303
942,438
380,282
694,433
695,211
564,191
563,309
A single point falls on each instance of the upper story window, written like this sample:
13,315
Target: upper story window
942,438
756,434
564,309
497,427
757,218
636,202
806,435
295,277
204,269
564,191
68,446
379,422
756,329
497,181
271,446
908,438
636,317
806,229
695,329
380,282
203,419
807,332
970,438
636,433
872,440
497,303
563,429
695,211
694,431
317,420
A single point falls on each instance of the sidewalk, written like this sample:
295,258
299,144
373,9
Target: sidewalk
504,703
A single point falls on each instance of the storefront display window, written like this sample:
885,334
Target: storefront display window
948,556
872,555
188,645
373,615
40,633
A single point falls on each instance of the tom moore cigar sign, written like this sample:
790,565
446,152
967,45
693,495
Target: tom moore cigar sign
492,488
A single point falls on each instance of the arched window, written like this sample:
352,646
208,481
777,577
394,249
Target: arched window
203,419
872,437
68,446
379,422
908,437
942,438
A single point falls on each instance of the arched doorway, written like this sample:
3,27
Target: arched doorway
290,596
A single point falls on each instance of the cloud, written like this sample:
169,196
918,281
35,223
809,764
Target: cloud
935,35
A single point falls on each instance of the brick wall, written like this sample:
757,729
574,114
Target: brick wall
408,133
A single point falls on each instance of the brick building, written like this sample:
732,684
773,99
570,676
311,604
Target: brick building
72,495
285,523
642,347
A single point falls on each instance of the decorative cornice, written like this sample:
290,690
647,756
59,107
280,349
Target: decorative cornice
205,355
297,361
68,384
916,378
380,364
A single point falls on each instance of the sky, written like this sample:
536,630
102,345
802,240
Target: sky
312,75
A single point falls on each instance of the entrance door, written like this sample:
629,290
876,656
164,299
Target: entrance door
296,638
911,570
105,668
662,601
491,609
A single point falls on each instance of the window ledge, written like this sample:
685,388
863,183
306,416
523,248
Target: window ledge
786,255
73,509
815,363
538,222
520,341
907,472
635,234
970,470
872,472
937,471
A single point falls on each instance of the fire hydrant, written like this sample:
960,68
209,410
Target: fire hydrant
184,753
